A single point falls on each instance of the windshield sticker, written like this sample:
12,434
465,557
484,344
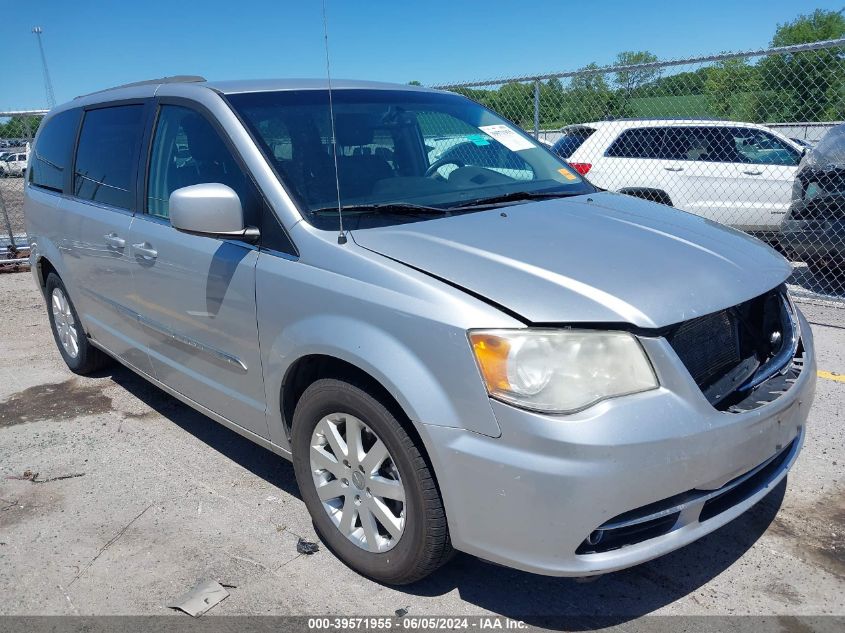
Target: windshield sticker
508,137
479,139
563,171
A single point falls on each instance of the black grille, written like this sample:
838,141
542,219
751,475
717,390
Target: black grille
708,345
614,538
724,349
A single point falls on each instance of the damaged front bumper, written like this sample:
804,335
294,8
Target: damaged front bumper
621,483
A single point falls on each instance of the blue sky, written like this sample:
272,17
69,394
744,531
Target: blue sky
93,45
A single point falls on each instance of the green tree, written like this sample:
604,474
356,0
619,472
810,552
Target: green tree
727,85
414,83
629,80
588,98
515,101
20,127
811,81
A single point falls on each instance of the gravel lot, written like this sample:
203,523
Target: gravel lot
165,497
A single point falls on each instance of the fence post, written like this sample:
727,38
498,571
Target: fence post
8,223
537,109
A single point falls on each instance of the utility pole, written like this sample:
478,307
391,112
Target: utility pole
48,84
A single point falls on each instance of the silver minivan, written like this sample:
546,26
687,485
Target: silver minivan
459,342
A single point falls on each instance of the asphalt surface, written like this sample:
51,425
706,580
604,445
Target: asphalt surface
115,498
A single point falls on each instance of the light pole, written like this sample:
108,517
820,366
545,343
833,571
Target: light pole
48,84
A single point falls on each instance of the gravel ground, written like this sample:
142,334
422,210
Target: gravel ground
159,497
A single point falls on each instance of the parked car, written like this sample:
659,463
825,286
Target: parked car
815,229
739,174
13,165
547,376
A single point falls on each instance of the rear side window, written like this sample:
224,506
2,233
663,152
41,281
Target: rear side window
107,153
570,141
704,144
52,153
637,143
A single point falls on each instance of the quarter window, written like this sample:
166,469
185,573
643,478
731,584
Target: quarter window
187,150
637,143
705,144
107,153
52,152
570,140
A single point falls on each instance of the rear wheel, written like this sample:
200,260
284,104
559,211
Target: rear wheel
80,356
369,490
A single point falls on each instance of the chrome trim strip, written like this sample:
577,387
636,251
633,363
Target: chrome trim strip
702,499
232,362
227,359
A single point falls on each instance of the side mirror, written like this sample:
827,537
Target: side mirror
210,209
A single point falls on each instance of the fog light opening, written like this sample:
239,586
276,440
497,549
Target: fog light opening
595,537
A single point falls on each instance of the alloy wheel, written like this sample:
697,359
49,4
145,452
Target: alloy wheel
65,323
357,482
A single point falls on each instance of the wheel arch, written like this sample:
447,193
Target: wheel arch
310,368
408,370
43,268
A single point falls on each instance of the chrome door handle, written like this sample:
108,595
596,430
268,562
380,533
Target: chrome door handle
752,172
145,250
114,241
674,168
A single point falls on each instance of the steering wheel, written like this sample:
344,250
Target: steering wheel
432,170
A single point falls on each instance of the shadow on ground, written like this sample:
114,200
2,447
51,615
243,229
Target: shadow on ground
541,601
259,461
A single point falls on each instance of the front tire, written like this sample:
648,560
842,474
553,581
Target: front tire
370,491
79,355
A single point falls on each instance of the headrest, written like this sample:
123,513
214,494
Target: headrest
354,129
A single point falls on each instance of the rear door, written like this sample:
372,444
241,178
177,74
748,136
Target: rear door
698,173
95,222
196,294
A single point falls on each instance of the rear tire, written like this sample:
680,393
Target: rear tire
79,354
423,544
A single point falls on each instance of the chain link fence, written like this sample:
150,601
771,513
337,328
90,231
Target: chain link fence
17,129
722,136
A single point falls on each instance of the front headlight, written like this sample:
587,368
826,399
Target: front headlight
560,371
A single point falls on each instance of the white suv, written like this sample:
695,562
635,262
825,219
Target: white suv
739,174
14,164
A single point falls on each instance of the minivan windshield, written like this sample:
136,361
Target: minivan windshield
402,155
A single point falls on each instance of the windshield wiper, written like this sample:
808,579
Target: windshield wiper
398,208
514,196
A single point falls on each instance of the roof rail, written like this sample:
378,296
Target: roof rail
175,79
668,118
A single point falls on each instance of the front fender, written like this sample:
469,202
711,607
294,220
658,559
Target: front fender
396,364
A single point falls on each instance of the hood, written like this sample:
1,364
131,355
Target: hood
602,258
